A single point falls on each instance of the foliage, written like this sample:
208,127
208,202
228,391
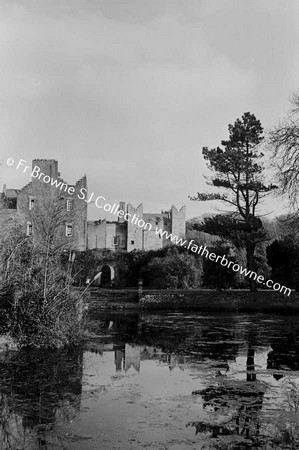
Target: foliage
288,226
232,229
237,167
216,276
261,262
54,325
176,271
164,268
84,266
88,263
169,267
283,257
239,172
15,257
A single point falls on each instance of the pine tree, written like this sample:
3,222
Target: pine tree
239,172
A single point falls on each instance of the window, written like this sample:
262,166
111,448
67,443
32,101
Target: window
11,203
69,204
115,240
29,229
31,203
69,230
132,242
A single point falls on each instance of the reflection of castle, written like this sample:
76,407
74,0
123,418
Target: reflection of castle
128,235
127,358
132,355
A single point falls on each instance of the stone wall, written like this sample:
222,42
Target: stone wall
78,215
102,234
134,232
96,232
7,218
118,231
209,300
46,199
200,300
151,240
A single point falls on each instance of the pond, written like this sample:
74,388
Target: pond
158,381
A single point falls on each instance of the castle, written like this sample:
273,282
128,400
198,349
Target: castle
17,205
20,206
126,235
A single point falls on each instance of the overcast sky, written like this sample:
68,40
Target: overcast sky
129,91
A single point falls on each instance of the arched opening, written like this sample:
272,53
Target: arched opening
106,276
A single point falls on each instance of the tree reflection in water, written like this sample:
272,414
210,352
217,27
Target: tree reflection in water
37,391
238,405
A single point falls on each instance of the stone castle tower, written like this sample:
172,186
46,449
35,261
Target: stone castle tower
178,221
47,166
134,232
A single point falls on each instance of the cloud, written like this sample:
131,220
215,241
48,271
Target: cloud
130,95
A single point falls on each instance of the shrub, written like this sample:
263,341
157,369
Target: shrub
43,310
54,324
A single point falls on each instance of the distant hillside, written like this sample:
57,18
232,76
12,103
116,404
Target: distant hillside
273,226
200,218
199,236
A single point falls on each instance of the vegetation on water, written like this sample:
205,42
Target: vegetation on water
44,396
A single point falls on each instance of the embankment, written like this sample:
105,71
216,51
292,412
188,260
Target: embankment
222,301
202,300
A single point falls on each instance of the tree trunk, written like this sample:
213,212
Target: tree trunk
46,271
250,369
250,248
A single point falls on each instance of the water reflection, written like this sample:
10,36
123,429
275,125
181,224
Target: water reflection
37,391
158,381
246,366
238,404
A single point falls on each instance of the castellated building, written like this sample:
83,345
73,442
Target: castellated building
46,190
40,199
127,235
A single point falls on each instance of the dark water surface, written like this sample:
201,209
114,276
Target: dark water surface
158,381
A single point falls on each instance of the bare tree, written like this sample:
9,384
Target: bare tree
48,227
45,310
284,141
